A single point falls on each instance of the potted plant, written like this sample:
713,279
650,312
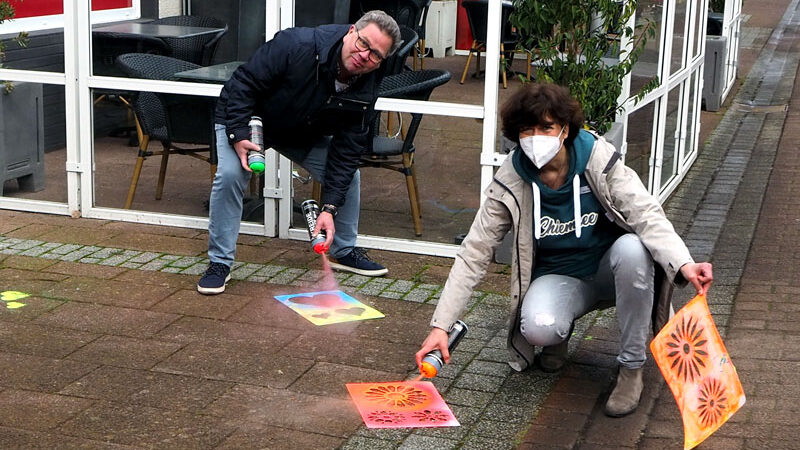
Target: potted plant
7,13
578,44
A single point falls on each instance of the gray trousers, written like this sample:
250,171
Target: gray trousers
625,278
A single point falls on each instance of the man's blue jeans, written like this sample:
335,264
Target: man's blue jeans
230,181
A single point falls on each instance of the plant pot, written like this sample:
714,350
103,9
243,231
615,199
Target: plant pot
22,137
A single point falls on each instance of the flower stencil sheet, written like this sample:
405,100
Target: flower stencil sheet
692,357
401,404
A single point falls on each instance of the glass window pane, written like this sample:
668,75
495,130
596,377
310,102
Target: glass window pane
246,29
669,162
198,40
696,27
120,154
640,139
647,66
45,16
43,50
678,36
33,142
693,118
447,170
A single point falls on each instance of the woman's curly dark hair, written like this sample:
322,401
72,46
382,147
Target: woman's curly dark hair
541,103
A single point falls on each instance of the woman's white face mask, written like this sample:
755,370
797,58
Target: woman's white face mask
541,149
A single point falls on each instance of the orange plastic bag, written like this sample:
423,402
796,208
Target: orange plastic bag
690,353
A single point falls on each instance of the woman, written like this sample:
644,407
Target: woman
586,233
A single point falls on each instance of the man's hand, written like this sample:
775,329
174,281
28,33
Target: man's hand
241,148
437,338
699,274
325,222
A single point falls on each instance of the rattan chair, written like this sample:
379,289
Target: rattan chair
106,46
196,49
397,62
168,118
397,153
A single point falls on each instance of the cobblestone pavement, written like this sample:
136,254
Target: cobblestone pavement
113,326
114,348
736,209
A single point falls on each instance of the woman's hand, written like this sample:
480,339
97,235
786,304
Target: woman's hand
437,338
699,274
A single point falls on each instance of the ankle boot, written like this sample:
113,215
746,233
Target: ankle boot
553,357
625,397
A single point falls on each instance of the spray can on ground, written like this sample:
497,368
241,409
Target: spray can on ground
311,211
433,361
255,159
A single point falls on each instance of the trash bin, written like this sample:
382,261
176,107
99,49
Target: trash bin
714,66
440,28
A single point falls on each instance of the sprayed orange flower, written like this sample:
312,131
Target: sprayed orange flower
712,402
687,349
385,417
690,346
428,415
396,396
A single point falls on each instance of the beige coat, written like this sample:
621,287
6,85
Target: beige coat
509,206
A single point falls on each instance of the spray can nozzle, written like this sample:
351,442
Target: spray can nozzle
432,362
255,159
311,211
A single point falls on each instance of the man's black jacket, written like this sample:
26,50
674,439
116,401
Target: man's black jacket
289,83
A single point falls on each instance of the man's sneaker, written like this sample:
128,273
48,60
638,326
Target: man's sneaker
357,262
213,281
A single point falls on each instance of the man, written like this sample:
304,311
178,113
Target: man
314,89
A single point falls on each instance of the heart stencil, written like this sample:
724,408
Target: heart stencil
354,311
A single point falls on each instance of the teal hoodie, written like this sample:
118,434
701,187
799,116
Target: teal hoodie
563,248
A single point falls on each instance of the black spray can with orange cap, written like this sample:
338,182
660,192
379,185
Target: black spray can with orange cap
432,362
311,212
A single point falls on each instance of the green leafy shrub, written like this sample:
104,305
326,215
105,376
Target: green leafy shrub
7,13
576,44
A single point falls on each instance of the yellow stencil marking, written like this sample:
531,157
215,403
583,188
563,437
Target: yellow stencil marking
8,296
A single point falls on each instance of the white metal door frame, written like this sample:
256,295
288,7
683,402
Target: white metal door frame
659,96
731,28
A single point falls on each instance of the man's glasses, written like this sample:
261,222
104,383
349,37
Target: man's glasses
361,45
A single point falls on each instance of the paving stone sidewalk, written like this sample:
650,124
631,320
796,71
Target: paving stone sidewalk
114,348
739,208
127,322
